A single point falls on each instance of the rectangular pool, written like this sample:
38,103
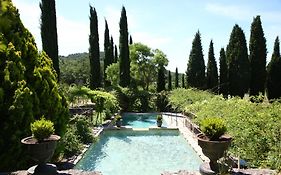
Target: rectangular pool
140,120
125,152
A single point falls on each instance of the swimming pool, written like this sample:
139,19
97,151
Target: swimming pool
140,120
124,152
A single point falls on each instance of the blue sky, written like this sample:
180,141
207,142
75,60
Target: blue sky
169,25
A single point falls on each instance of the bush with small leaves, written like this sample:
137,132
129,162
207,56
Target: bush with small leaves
42,129
213,127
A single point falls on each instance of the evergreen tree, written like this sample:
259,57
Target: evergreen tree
94,51
274,73
257,57
196,66
238,63
223,83
182,81
161,79
212,70
111,51
49,34
28,89
169,81
124,51
115,54
176,79
131,40
107,53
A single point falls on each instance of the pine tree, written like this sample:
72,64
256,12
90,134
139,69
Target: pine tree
182,81
161,79
169,81
212,70
238,63
257,58
223,83
94,51
107,53
177,78
124,51
49,32
273,82
115,54
196,66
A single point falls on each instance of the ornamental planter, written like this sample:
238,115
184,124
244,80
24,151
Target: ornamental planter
41,152
118,123
159,123
214,150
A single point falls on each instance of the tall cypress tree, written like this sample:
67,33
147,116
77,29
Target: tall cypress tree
169,81
107,53
273,82
196,66
238,63
131,40
182,81
161,79
257,58
94,51
223,83
124,51
49,34
212,70
111,51
115,54
177,78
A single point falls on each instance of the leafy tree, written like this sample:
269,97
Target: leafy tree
115,54
124,51
238,63
161,80
177,78
257,58
107,53
274,73
113,73
212,70
49,32
169,81
182,81
196,66
94,51
28,89
223,83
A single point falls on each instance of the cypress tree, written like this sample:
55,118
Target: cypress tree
182,81
131,40
49,34
94,51
223,83
111,51
274,73
257,58
196,66
124,51
115,54
107,53
238,63
161,79
169,81
176,79
212,70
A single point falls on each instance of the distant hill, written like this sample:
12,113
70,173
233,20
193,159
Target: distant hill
80,56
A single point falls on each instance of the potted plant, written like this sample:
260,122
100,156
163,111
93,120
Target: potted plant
213,141
118,120
159,120
41,146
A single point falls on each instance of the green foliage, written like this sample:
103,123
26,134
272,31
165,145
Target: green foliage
213,127
94,51
161,79
177,78
238,63
182,81
124,62
83,130
71,143
257,57
212,70
162,103
223,82
107,53
169,81
112,72
274,73
42,129
196,67
159,118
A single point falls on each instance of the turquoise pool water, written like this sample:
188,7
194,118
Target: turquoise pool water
144,120
140,152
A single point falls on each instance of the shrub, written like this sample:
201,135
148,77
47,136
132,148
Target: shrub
159,118
71,143
83,130
213,127
42,129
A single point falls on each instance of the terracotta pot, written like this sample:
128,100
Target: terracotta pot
214,150
41,152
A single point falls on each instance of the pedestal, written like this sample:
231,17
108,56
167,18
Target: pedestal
44,169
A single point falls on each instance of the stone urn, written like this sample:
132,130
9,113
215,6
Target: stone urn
41,152
159,123
214,150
